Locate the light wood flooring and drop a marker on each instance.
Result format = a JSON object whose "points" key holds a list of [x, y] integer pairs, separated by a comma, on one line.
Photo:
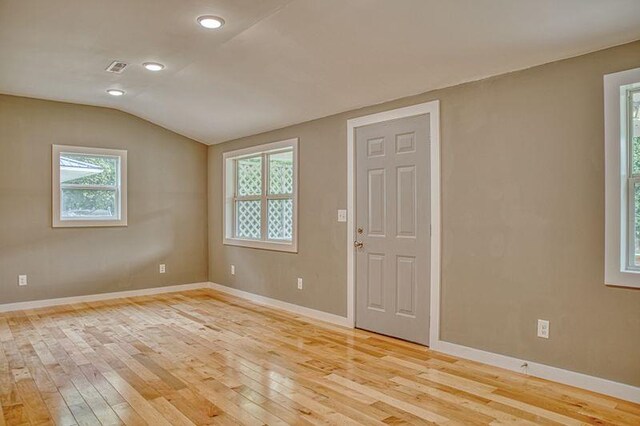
{"points": [[203, 357]]}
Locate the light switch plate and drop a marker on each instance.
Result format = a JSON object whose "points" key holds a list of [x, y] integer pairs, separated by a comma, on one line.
{"points": [[342, 215]]}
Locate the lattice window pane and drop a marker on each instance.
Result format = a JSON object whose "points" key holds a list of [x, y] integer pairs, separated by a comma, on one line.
{"points": [[281, 173], [249, 176], [280, 219], [248, 219]]}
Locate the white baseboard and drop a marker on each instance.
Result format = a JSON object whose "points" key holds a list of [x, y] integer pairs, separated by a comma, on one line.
{"points": [[20, 306], [286, 306], [571, 378]]}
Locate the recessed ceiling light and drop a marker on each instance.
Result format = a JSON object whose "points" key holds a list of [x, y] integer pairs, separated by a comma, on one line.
{"points": [[210, 21], [153, 66], [115, 92]]}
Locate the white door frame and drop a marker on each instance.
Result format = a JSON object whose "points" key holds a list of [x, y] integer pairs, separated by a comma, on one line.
{"points": [[433, 110]]}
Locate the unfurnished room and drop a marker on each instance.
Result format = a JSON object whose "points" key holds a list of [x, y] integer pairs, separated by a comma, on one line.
{"points": [[305, 212]]}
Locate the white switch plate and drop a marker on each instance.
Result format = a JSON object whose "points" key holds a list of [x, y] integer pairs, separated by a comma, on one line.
{"points": [[22, 280], [233, 269], [299, 283], [543, 329], [163, 268], [342, 215]]}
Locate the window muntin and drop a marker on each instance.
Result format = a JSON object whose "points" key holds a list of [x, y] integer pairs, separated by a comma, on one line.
{"points": [[88, 187], [261, 192]]}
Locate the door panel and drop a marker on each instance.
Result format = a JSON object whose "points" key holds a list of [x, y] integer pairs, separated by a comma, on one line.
{"points": [[406, 201], [406, 283], [375, 281], [377, 197], [392, 218]]}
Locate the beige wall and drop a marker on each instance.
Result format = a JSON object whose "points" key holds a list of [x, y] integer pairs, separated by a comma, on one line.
{"points": [[523, 219], [167, 205]]}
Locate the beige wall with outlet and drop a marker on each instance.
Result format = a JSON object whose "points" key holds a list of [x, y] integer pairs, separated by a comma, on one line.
{"points": [[167, 205], [522, 219]]}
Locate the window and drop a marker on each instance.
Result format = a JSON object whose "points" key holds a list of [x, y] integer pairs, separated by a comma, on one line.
{"points": [[89, 186], [622, 163], [261, 187]]}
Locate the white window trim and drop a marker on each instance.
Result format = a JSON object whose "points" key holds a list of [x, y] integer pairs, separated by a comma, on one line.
{"points": [[617, 216], [57, 221], [228, 183]]}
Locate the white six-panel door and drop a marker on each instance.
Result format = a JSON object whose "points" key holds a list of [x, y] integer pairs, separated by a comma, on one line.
{"points": [[392, 228]]}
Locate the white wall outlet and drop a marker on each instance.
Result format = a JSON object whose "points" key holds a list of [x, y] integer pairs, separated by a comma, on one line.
{"points": [[543, 329], [233, 269], [22, 280], [299, 283], [342, 215], [163, 268]]}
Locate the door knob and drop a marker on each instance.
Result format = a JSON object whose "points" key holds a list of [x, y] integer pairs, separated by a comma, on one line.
{"points": [[358, 244]]}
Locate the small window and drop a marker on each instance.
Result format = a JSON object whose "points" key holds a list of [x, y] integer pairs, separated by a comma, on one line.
{"points": [[622, 186], [89, 187], [260, 185]]}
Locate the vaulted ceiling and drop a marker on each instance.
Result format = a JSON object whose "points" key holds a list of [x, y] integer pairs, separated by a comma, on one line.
{"points": [[279, 62]]}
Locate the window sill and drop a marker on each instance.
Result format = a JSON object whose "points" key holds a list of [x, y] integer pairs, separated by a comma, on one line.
{"points": [[263, 245], [625, 278], [88, 223]]}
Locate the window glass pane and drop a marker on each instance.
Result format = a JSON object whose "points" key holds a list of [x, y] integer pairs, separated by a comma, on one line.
{"points": [[88, 203], [249, 180], [84, 169], [634, 128], [635, 222], [248, 219], [280, 219], [281, 173]]}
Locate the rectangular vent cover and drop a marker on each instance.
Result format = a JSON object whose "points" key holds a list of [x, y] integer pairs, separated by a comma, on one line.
{"points": [[116, 67]]}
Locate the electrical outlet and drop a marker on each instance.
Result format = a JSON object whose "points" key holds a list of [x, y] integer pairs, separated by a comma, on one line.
{"points": [[233, 269], [22, 280], [299, 283], [543, 329], [163, 268], [342, 215]]}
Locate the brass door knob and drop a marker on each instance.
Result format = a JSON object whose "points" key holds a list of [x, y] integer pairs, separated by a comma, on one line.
{"points": [[358, 244]]}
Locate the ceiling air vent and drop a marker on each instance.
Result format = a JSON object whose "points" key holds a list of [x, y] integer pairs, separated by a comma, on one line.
{"points": [[116, 67]]}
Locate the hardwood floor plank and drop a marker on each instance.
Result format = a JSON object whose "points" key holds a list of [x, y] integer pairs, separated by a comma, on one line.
{"points": [[202, 357]]}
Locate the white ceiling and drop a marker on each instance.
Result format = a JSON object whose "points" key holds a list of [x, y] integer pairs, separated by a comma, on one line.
{"points": [[279, 62]]}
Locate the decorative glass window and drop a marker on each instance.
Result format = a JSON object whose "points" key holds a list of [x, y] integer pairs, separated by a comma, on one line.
{"points": [[622, 178], [89, 186], [261, 196]]}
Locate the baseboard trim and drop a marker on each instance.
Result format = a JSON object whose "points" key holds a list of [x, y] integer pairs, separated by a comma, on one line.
{"points": [[571, 378], [286, 306], [45, 303]]}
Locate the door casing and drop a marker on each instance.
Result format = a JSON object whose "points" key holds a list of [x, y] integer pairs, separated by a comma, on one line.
{"points": [[432, 111]]}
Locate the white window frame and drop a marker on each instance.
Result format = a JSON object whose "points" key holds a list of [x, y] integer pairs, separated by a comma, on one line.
{"points": [[619, 217], [229, 189], [120, 188]]}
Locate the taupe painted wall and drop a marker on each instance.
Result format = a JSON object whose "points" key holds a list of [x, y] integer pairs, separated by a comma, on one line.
{"points": [[523, 219], [167, 205]]}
